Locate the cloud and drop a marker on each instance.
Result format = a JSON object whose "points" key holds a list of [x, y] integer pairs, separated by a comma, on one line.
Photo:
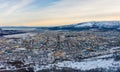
{"points": [[76, 9], [17, 6], [83, 8], [63, 12], [4, 5]]}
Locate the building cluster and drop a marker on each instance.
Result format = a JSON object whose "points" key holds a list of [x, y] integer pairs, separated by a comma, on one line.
{"points": [[55, 46]]}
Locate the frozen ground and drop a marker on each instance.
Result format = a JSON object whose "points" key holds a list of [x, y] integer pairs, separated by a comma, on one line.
{"points": [[87, 64], [23, 35], [105, 62]]}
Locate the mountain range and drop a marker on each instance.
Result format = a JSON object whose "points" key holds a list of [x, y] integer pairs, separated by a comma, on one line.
{"points": [[100, 25]]}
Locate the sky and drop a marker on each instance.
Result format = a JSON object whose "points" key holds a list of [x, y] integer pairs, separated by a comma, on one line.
{"points": [[56, 12]]}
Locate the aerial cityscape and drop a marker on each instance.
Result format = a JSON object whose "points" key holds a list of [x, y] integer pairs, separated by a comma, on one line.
{"points": [[62, 49], [59, 36]]}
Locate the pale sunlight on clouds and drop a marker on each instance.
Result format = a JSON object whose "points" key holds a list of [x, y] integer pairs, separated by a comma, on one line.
{"points": [[56, 12]]}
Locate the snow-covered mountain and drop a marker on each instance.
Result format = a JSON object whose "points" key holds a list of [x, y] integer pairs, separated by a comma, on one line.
{"points": [[101, 25]]}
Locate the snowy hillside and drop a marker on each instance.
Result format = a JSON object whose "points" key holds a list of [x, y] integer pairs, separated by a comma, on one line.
{"points": [[102, 25]]}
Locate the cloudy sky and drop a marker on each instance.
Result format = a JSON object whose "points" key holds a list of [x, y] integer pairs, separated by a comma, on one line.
{"points": [[56, 12]]}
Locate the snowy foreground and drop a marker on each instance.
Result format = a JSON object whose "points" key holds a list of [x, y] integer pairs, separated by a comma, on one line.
{"points": [[105, 62]]}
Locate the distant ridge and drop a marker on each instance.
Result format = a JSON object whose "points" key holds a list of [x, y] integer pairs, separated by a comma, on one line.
{"points": [[9, 32], [100, 25]]}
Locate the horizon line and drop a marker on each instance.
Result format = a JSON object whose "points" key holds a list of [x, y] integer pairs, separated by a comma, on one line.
{"points": [[61, 25]]}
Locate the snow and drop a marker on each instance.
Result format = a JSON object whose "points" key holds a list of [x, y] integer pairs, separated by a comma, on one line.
{"points": [[99, 57], [102, 24], [38, 67], [20, 49], [87, 64], [108, 24], [24, 35], [85, 25], [1, 66]]}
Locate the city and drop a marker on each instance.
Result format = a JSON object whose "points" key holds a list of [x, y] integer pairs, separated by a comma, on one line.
{"points": [[59, 35], [28, 50]]}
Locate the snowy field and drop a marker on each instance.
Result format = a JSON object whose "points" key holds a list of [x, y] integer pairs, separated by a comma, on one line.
{"points": [[23, 35], [87, 64], [105, 62]]}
